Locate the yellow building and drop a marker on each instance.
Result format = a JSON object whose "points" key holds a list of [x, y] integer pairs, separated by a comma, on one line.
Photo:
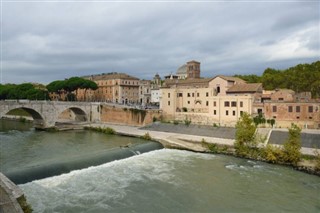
{"points": [[206, 100], [220, 100]]}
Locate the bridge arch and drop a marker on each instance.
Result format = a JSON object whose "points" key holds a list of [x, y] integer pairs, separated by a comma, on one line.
{"points": [[38, 119], [75, 114]]}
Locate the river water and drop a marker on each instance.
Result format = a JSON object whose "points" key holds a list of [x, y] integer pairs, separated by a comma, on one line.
{"points": [[162, 181]]}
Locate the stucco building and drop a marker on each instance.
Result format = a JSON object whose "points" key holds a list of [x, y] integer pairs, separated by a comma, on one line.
{"points": [[205, 100], [112, 87]]}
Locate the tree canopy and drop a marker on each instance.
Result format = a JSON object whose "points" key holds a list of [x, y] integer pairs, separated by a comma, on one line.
{"points": [[22, 91], [70, 85], [300, 78]]}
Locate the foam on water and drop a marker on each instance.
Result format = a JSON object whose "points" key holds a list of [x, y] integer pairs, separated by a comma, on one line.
{"points": [[175, 181], [98, 184]]}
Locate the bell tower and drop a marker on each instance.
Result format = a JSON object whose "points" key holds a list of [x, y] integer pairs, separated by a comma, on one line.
{"points": [[193, 69]]}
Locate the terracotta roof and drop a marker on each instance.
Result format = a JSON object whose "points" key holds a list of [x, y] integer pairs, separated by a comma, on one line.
{"points": [[285, 91], [106, 76], [242, 88], [230, 78]]}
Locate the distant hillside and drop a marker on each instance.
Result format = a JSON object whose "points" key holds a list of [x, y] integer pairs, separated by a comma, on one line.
{"points": [[300, 78]]}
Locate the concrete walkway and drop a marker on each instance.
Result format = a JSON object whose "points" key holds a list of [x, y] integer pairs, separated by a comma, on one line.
{"points": [[188, 141], [192, 142]]}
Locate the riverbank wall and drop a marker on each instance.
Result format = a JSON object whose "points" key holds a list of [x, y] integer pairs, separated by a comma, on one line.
{"points": [[9, 196]]}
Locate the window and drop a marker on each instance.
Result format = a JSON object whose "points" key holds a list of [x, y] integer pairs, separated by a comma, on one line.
{"points": [[297, 108], [179, 95], [226, 103], [207, 94], [274, 108], [289, 108], [168, 95], [214, 103], [198, 94], [188, 102], [214, 112], [280, 99], [298, 117], [188, 95], [192, 94], [310, 109], [241, 103], [234, 113], [233, 103], [227, 112], [218, 89], [168, 103], [207, 103]]}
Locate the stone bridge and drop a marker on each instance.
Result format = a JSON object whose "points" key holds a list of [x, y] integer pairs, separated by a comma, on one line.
{"points": [[46, 113]]}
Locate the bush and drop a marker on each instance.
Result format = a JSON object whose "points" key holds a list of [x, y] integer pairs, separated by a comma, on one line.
{"points": [[146, 136], [175, 122], [26, 208], [107, 130], [215, 125], [317, 166], [245, 131], [273, 154], [187, 121], [292, 146]]}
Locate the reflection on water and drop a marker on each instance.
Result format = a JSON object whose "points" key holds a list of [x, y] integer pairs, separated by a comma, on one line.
{"points": [[25, 147]]}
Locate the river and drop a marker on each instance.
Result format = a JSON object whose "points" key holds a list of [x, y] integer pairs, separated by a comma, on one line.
{"points": [[157, 181]]}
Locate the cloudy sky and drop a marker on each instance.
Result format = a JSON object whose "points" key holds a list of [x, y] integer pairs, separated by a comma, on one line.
{"points": [[44, 41]]}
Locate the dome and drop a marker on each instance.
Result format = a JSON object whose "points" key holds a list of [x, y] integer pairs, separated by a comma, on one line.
{"points": [[182, 70]]}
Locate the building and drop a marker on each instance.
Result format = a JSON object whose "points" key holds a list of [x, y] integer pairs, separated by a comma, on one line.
{"points": [[112, 87], [199, 101], [144, 92], [206, 100], [287, 107], [155, 90]]}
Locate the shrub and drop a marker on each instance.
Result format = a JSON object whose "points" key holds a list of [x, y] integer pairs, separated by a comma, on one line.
{"points": [[187, 121], [109, 131], [154, 119], [215, 125], [175, 122], [245, 131], [146, 136], [26, 207], [317, 166], [292, 146], [273, 154]]}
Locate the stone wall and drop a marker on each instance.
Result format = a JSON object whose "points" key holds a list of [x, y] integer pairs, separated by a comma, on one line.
{"points": [[128, 116]]}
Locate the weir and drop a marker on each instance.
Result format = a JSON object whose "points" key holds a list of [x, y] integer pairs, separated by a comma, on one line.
{"points": [[29, 174]]}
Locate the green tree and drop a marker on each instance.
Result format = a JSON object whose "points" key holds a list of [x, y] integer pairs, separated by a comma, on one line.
{"points": [[292, 146], [245, 143]]}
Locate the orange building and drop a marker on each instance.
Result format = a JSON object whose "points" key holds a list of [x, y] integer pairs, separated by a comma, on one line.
{"points": [[112, 87]]}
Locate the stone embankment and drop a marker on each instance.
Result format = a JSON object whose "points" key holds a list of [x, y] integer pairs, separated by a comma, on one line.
{"points": [[9, 195]]}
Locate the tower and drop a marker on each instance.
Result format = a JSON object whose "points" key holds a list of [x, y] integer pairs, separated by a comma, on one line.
{"points": [[193, 69]]}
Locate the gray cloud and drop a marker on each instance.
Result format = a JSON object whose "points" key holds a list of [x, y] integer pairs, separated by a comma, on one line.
{"points": [[55, 40]]}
